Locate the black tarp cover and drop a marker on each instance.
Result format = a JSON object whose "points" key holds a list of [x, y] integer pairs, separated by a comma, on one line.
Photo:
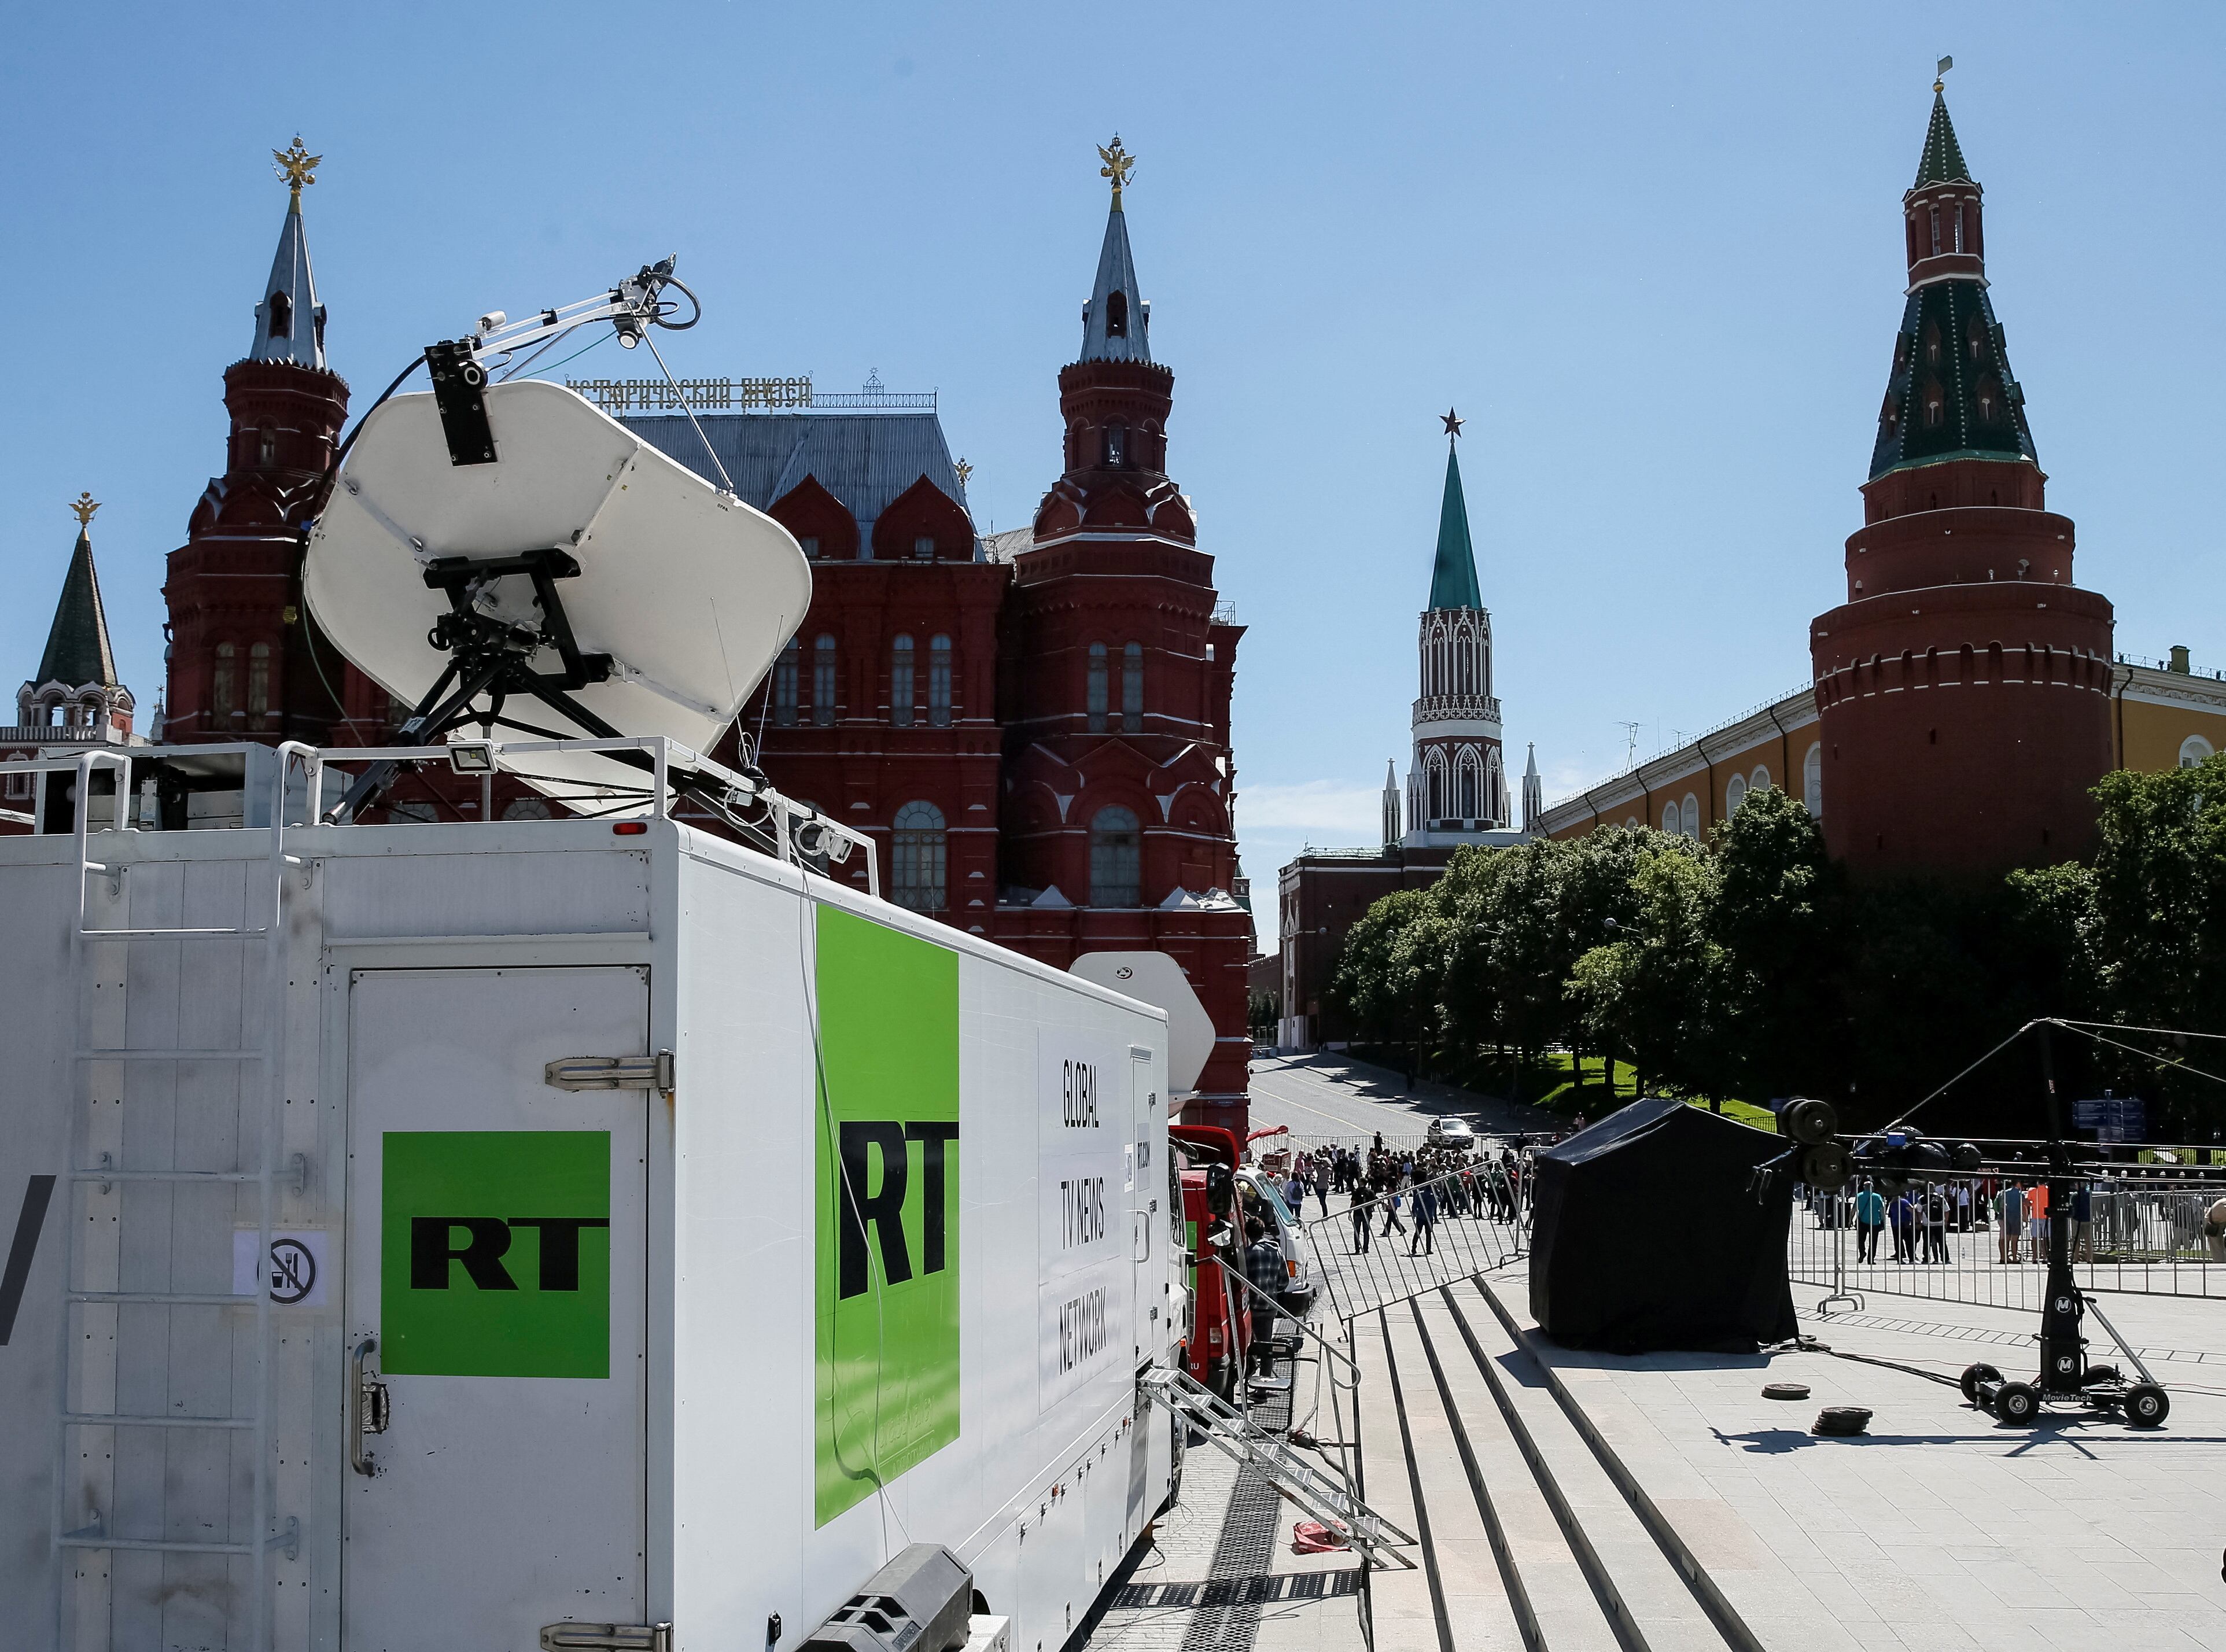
{"points": [[1645, 1235]]}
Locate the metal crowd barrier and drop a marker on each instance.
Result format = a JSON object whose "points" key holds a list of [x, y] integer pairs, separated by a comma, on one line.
{"points": [[2140, 1235], [1369, 1253]]}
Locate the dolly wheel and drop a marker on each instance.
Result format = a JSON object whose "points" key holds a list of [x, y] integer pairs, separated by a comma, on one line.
{"points": [[2146, 1405], [2017, 1403], [1974, 1375]]}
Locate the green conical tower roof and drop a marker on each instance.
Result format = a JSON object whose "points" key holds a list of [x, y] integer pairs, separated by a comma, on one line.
{"points": [[1453, 581], [77, 647], [1943, 160], [1950, 394]]}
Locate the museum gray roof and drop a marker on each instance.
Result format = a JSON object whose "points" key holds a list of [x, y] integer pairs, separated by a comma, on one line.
{"points": [[865, 459]]}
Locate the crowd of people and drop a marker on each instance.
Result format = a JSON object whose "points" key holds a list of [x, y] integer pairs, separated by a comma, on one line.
{"points": [[1410, 1190], [1921, 1216]]}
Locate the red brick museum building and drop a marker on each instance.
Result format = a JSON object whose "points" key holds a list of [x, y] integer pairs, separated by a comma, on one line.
{"points": [[1034, 730]]}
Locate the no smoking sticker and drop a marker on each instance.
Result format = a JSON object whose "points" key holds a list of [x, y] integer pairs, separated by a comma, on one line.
{"points": [[295, 1276]]}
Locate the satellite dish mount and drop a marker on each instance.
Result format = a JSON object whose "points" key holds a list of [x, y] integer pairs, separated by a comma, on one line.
{"points": [[491, 656]]}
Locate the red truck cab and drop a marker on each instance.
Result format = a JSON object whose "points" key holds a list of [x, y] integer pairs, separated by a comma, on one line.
{"points": [[1217, 1335]]}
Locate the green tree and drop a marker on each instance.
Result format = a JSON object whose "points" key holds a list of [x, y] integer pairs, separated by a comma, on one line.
{"points": [[1776, 915], [1390, 968], [1653, 992], [2160, 919]]}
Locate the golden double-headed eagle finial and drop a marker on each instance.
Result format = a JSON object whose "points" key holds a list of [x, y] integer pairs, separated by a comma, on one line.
{"points": [[1118, 162], [85, 504], [297, 166]]}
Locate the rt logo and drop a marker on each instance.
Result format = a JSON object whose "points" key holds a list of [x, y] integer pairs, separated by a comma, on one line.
{"points": [[863, 1139], [433, 1247]]}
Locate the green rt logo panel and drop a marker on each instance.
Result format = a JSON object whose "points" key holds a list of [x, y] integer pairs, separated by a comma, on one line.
{"points": [[495, 1253], [886, 1167]]}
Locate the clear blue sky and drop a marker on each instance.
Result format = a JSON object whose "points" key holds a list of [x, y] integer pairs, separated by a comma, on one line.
{"points": [[1653, 254]]}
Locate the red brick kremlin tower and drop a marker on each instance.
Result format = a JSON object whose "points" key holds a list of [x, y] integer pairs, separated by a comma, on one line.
{"points": [[1118, 830], [243, 662], [1962, 690]]}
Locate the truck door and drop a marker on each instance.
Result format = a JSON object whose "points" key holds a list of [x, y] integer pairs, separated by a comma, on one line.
{"points": [[495, 1278]]}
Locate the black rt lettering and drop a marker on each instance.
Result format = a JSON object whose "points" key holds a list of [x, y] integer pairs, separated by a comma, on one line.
{"points": [[884, 1210], [431, 1251], [560, 1247], [931, 1138]]}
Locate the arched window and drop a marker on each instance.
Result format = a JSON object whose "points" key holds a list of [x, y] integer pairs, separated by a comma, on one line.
{"points": [[282, 316], [1117, 314], [901, 652], [1990, 397], [1934, 407], [1437, 772], [1691, 827], [1812, 780], [822, 681], [1116, 859], [1097, 689], [259, 679], [810, 543], [1759, 780], [266, 452], [1670, 816], [939, 682], [224, 683], [918, 858], [1734, 793], [922, 547], [784, 684], [2193, 750], [1116, 444], [1132, 688], [1935, 229], [1468, 799]]}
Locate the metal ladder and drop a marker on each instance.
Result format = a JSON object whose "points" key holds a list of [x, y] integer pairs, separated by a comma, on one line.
{"points": [[1325, 1496], [267, 1059]]}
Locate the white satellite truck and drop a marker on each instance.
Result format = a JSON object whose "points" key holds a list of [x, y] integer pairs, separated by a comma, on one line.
{"points": [[581, 1233]]}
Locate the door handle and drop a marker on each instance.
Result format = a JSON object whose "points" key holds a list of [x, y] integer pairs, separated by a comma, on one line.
{"points": [[368, 1408]]}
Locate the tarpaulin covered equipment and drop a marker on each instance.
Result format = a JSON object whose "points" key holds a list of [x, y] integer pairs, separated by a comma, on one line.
{"points": [[1647, 1234]]}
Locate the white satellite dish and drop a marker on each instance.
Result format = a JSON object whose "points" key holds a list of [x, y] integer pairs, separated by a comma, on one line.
{"points": [[648, 600], [1155, 978]]}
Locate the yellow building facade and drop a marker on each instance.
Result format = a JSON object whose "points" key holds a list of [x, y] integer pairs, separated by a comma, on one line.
{"points": [[2163, 715]]}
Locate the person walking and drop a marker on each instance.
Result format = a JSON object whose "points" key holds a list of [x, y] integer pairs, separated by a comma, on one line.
{"points": [[2009, 1207], [1391, 1223], [1360, 1220], [1426, 1221], [2082, 1224], [1870, 1222], [1321, 1188]]}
